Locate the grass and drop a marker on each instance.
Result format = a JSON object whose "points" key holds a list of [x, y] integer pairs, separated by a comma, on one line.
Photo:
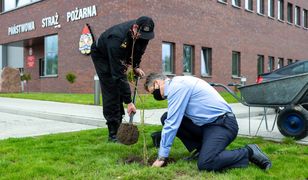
{"points": [[87, 155], [88, 99]]}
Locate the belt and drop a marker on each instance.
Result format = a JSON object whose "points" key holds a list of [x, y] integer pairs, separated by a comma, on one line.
{"points": [[228, 114]]}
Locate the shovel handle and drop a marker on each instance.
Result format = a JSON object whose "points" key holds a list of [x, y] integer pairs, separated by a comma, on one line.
{"points": [[131, 116]]}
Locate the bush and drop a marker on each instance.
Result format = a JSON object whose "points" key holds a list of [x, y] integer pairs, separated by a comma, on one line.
{"points": [[71, 77]]}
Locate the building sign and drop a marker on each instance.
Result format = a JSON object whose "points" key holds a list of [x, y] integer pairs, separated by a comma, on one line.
{"points": [[30, 61], [86, 40], [50, 21], [21, 28], [81, 13]]}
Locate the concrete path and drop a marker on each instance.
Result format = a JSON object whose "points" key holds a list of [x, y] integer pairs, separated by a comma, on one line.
{"points": [[12, 125], [21, 118]]}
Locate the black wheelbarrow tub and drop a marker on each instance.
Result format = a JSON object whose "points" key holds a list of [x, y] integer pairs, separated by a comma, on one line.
{"points": [[279, 92]]}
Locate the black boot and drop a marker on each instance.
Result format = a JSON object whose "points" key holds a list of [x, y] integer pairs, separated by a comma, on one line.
{"points": [[257, 157], [113, 128]]}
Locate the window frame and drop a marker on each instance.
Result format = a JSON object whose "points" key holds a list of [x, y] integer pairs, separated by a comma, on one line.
{"points": [[236, 3], [223, 1], [3, 10], [238, 65], [297, 15], [249, 5], [172, 59], [47, 52], [271, 64], [280, 62], [209, 61], [260, 64], [280, 10], [191, 59], [290, 13], [305, 18], [271, 9], [260, 7]]}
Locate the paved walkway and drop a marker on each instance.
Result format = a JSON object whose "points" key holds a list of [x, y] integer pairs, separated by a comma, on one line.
{"points": [[20, 117]]}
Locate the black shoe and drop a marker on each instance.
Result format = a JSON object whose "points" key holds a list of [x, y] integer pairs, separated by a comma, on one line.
{"points": [[113, 139], [258, 157], [194, 156]]}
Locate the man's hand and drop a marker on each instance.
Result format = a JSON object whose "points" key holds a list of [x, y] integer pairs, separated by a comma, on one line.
{"points": [[131, 108], [158, 163], [139, 72]]}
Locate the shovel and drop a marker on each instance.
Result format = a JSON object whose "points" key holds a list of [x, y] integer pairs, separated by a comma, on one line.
{"points": [[128, 133]]}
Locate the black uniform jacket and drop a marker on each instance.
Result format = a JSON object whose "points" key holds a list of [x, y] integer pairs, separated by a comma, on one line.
{"points": [[114, 47]]}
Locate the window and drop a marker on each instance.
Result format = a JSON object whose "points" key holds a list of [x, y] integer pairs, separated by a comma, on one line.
{"points": [[271, 64], [13, 4], [305, 18], [280, 10], [167, 57], [290, 61], [290, 13], [187, 59], [206, 61], [260, 65], [236, 3], [249, 5], [297, 15], [51, 55], [280, 63], [236, 61], [271, 8], [260, 6], [223, 1]]}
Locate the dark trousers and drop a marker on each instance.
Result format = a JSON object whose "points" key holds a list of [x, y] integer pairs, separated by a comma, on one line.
{"points": [[211, 141], [113, 109]]}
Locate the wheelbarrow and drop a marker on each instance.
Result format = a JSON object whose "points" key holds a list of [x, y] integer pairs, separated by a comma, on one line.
{"points": [[288, 96]]}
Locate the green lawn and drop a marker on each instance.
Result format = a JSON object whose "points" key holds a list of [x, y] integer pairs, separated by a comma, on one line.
{"points": [[148, 101], [87, 155]]}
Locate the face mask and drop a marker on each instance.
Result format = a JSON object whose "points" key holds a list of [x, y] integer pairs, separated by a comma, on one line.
{"points": [[157, 95]]}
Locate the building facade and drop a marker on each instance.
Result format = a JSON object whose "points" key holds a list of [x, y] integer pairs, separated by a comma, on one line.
{"points": [[217, 40]]}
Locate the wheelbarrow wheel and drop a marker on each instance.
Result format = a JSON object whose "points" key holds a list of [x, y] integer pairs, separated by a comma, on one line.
{"points": [[293, 122]]}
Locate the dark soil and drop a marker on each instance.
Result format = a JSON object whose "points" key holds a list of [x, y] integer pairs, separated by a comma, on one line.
{"points": [[128, 134], [139, 160]]}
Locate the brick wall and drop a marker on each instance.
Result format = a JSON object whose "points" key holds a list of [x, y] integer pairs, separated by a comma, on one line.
{"points": [[201, 23]]}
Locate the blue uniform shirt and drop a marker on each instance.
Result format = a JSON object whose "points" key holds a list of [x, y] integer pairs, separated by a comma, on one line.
{"points": [[191, 97]]}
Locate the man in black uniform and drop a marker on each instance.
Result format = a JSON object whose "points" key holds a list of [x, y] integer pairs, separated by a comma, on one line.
{"points": [[112, 55]]}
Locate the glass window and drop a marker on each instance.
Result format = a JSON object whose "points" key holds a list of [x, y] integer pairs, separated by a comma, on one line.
{"points": [[224, 1], [260, 6], [290, 13], [271, 64], [206, 61], [297, 16], [290, 61], [280, 9], [187, 59], [305, 18], [51, 55], [167, 57], [13, 4], [280, 63], [249, 5], [260, 66], [236, 61], [271, 8], [236, 3]]}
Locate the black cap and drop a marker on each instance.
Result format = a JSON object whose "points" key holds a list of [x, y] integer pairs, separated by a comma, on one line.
{"points": [[146, 27]]}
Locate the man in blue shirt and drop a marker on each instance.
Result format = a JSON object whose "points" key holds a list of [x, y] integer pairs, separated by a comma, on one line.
{"points": [[204, 122]]}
